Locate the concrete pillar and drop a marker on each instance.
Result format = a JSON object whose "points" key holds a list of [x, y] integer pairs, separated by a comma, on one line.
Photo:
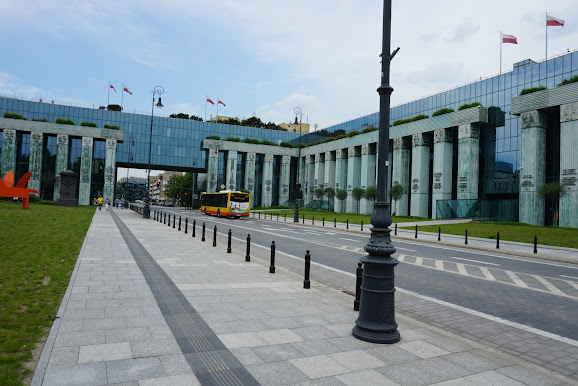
{"points": [[319, 179], [368, 163], [420, 174], [231, 170], [442, 167], [401, 172], [35, 164], [340, 177], [212, 167], [61, 162], [353, 177], [9, 152], [267, 186], [533, 167], [249, 183], [284, 179], [308, 181], [329, 169], [110, 169], [569, 164], [85, 171], [468, 161]]}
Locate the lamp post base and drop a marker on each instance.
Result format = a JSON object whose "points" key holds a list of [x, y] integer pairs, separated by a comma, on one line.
{"points": [[296, 214], [389, 337], [146, 212]]}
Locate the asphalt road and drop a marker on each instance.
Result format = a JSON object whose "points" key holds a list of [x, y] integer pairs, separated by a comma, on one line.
{"points": [[531, 292]]}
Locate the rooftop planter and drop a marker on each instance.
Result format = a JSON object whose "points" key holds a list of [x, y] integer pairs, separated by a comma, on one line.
{"points": [[544, 99]]}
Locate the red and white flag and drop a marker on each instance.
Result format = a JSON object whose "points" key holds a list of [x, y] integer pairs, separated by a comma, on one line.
{"points": [[221, 102], [210, 101], [111, 86], [509, 38], [551, 21], [126, 89]]}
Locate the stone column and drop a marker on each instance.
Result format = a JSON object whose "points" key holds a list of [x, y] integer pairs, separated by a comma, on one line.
{"points": [[368, 163], [353, 177], [319, 179], [468, 161], [85, 171], [9, 152], [35, 164], [420, 175], [284, 179], [340, 176], [212, 167], [329, 169], [307, 184], [232, 170], [61, 162], [569, 164], [249, 183], [267, 186], [110, 169], [401, 172], [442, 167], [533, 167]]}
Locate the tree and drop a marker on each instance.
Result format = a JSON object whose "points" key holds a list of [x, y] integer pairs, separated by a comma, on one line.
{"points": [[395, 193], [329, 193], [341, 195], [181, 188], [370, 193], [357, 193], [319, 192], [553, 191]]}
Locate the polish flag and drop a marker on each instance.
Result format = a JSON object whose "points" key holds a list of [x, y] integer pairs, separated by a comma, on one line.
{"points": [[221, 102], [210, 101], [554, 22], [126, 89], [508, 38], [111, 86]]}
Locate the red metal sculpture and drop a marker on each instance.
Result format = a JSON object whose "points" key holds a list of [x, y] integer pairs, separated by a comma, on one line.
{"points": [[20, 190]]}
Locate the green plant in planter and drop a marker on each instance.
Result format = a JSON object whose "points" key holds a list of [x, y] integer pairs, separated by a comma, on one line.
{"points": [[40, 119], [265, 142], [89, 124], [442, 112], [64, 121], [114, 108], [13, 116], [573, 79], [286, 144], [419, 117], [252, 141], [213, 137], [469, 105], [234, 139], [531, 90]]}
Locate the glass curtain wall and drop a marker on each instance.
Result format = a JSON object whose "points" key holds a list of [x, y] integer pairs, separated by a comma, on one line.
{"points": [[48, 167], [22, 155], [98, 164]]}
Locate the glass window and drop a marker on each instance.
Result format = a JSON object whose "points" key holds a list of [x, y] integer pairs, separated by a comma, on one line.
{"points": [[558, 66]]}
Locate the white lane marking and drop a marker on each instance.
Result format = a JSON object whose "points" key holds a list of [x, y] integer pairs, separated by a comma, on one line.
{"points": [[405, 249], [439, 264], [462, 269], [419, 260], [487, 274], [519, 282], [475, 261], [570, 277], [343, 238], [548, 285], [573, 284]]}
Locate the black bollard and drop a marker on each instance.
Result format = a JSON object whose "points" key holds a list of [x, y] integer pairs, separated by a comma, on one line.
{"points": [[271, 216], [303, 219], [535, 243], [203, 236], [395, 233], [359, 276], [439, 233], [186, 225], [498, 240], [277, 216], [313, 220], [285, 217], [165, 220], [194, 228], [466, 236], [248, 254], [179, 223], [229, 242], [272, 267], [306, 282], [259, 214], [416, 231], [323, 220], [215, 236], [362, 225], [169, 223], [347, 223], [334, 222], [174, 220]]}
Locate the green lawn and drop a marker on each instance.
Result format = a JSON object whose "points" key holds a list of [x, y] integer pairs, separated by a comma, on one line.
{"points": [[39, 248], [561, 237]]}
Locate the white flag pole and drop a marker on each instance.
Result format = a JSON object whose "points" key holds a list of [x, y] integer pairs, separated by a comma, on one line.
{"points": [[217, 117], [546, 35], [501, 41], [121, 97], [108, 97]]}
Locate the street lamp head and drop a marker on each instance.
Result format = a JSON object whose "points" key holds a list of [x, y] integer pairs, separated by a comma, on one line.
{"points": [[159, 104], [296, 122]]}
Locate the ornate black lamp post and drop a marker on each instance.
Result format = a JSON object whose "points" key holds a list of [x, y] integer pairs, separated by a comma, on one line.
{"points": [[376, 321], [298, 193], [158, 90]]}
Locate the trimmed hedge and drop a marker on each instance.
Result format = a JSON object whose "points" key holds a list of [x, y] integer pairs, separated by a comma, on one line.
{"points": [[286, 144], [469, 105], [89, 124], [252, 141], [64, 121], [531, 90], [213, 137], [265, 142], [573, 79], [442, 112], [416, 118], [368, 129], [234, 139], [113, 127], [14, 116], [40, 119]]}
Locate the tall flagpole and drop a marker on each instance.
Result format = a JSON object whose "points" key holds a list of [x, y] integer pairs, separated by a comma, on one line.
{"points": [[108, 97], [501, 40], [546, 35], [206, 97], [217, 117], [121, 97]]}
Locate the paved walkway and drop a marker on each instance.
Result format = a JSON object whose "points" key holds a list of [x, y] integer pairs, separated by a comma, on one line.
{"points": [[149, 305]]}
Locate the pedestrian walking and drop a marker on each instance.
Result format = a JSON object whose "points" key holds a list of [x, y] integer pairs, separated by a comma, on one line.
{"points": [[122, 202], [99, 202], [116, 202]]}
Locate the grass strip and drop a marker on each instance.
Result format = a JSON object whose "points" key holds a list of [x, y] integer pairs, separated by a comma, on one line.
{"points": [[510, 231], [38, 251]]}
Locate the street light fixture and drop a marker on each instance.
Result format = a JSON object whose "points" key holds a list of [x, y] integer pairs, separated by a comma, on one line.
{"points": [[376, 321], [158, 90], [298, 192]]}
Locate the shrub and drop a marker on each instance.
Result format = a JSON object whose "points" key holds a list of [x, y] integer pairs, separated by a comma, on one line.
{"points": [[213, 137], [252, 141], [469, 105], [531, 90], [115, 127], [89, 124], [353, 133], [265, 142], [234, 139], [286, 144], [114, 108], [64, 121], [419, 117], [13, 116], [401, 122], [40, 119], [369, 129], [442, 112], [106, 126], [341, 136], [573, 79]]}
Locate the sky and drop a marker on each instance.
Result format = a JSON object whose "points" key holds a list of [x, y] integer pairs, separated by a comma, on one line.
{"points": [[264, 57]]}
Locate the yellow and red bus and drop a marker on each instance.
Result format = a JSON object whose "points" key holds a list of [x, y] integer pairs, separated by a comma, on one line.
{"points": [[226, 203]]}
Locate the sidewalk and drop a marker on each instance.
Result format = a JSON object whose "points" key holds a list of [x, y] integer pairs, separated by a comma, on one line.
{"points": [[546, 252], [149, 305]]}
